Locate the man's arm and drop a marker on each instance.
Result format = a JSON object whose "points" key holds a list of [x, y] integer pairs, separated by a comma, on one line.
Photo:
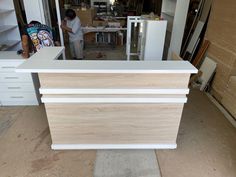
{"points": [[25, 46], [65, 27], [73, 30]]}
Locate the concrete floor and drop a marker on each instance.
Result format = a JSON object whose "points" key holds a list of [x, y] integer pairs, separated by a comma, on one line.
{"points": [[126, 163], [98, 52], [102, 52], [92, 52], [206, 145]]}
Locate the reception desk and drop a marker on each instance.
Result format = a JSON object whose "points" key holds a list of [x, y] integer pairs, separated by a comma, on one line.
{"points": [[111, 104]]}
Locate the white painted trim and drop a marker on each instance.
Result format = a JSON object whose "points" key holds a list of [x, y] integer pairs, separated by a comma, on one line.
{"points": [[114, 100], [59, 25], [113, 91], [180, 16], [222, 109], [42, 12], [34, 10], [112, 146], [195, 37], [108, 71]]}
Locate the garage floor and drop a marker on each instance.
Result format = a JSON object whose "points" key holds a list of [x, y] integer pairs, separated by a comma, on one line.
{"points": [[206, 145]]}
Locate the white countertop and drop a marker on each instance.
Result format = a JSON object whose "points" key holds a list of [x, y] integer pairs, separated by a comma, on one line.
{"points": [[45, 61], [9, 55]]}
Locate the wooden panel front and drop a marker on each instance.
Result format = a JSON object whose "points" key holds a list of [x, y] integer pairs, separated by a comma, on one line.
{"points": [[158, 81], [114, 123]]}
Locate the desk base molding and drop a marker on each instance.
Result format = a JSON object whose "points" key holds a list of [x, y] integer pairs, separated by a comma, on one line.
{"points": [[112, 91], [114, 100], [112, 146]]}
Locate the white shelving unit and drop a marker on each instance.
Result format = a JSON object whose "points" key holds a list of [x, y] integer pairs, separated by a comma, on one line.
{"points": [[101, 6], [175, 12], [151, 38], [9, 31]]}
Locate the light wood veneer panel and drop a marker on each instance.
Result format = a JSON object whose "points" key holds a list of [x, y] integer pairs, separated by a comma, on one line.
{"points": [[114, 123], [162, 81]]}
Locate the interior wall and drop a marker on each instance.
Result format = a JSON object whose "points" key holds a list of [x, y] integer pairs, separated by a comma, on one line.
{"points": [[221, 32], [34, 10]]}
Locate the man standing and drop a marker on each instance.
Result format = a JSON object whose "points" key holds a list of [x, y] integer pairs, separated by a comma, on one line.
{"points": [[72, 25]]}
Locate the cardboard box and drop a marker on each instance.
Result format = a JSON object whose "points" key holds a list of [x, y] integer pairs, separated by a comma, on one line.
{"points": [[90, 38], [106, 23], [86, 16], [99, 23], [122, 23]]}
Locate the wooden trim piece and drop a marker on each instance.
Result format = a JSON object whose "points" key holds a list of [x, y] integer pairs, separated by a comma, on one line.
{"points": [[112, 91], [197, 60], [88, 96], [176, 57], [113, 100], [112, 146]]}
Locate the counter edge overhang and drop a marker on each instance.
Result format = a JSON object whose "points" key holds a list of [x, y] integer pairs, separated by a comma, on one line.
{"points": [[45, 61]]}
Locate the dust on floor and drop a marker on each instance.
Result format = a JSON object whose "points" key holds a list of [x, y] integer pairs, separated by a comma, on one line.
{"points": [[25, 148]]}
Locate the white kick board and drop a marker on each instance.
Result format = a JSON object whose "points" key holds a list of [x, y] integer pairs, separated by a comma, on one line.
{"points": [[208, 68]]}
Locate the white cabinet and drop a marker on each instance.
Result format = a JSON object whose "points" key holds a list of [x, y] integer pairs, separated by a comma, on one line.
{"points": [[153, 44], [175, 12], [145, 38], [9, 31], [16, 88]]}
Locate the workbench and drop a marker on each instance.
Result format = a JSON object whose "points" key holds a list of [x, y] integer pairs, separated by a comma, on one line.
{"points": [[102, 30], [111, 104]]}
